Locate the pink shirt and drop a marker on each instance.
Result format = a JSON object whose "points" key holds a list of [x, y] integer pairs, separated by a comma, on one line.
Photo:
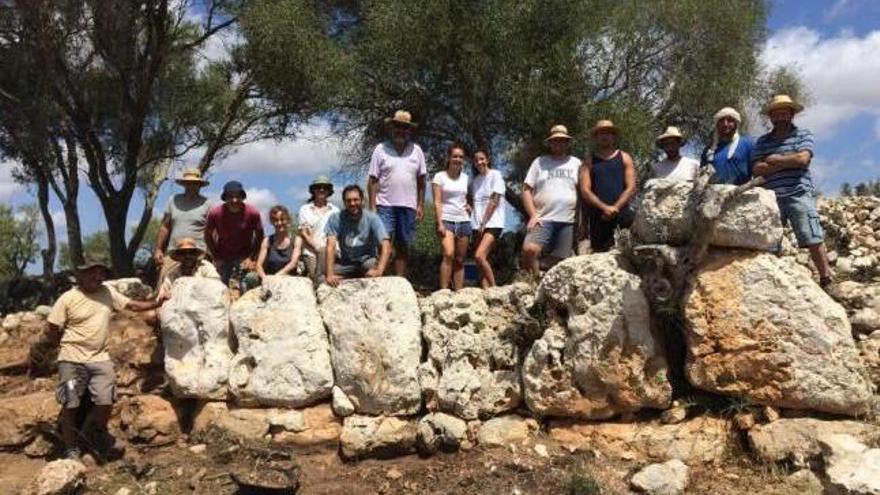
{"points": [[235, 231], [398, 174]]}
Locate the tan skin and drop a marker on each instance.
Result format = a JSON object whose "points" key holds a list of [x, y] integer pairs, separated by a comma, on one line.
{"points": [[672, 147], [726, 128], [234, 203], [454, 249], [400, 138], [354, 205], [485, 240], [281, 224], [531, 253], [605, 149], [781, 118], [190, 191], [320, 193]]}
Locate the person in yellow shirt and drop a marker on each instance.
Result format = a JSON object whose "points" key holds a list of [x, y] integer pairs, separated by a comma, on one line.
{"points": [[79, 324]]}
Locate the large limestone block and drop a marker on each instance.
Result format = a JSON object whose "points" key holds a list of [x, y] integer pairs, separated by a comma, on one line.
{"points": [[759, 328], [22, 417], [666, 215], [797, 439], [473, 338], [375, 343], [283, 356], [850, 466], [382, 437], [598, 357], [195, 331]]}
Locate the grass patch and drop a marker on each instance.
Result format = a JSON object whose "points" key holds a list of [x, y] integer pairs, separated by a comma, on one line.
{"points": [[582, 484]]}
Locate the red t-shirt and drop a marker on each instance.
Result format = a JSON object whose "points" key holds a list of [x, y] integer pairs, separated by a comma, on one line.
{"points": [[235, 231]]}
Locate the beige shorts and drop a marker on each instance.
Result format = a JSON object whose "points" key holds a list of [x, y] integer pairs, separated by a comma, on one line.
{"points": [[99, 378]]}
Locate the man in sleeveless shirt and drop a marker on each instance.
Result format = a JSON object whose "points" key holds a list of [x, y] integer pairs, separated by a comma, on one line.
{"points": [[549, 197], [607, 183]]}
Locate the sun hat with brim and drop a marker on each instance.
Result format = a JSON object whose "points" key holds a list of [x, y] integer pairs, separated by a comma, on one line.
{"points": [[321, 180], [604, 125], [670, 132], [782, 101], [185, 245], [401, 117], [233, 187], [191, 176], [91, 265], [558, 132]]}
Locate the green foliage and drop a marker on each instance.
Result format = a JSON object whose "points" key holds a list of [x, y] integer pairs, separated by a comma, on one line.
{"points": [[97, 245], [870, 188], [583, 484], [18, 239]]}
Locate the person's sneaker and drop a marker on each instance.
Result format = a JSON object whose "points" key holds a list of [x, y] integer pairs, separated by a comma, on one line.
{"points": [[827, 284], [73, 453]]}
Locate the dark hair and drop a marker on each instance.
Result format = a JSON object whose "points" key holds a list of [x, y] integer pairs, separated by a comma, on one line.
{"points": [[353, 187], [452, 147], [283, 209], [484, 152]]}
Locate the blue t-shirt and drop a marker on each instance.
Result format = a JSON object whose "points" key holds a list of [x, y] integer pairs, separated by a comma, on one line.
{"points": [[358, 239], [736, 170], [792, 181]]}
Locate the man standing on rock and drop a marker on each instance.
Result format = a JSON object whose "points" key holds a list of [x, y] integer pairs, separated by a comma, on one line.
{"points": [[675, 167], [79, 324], [607, 183], [185, 217], [233, 234], [355, 239], [397, 186], [549, 197], [782, 157], [729, 152]]}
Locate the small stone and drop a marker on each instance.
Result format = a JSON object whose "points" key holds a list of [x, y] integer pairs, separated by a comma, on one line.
{"points": [[668, 478], [771, 414], [40, 447], [151, 488], [198, 449], [59, 477], [506, 430], [393, 474], [541, 450], [744, 421], [342, 405], [674, 415], [123, 491], [179, 472]]}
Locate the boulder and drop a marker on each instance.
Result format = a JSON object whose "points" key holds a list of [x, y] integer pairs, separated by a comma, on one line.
{"points": [[598, 356], [11, 322], [131, 287], [759, 328], [320, 427], [668, 478], [850, 466], [283, 356], [61, 477], [195, 331], [797, 439], [506, 430], [375, 343], [869, 350], [473, 338], [137, 354], [441, 432], [22, 417], [306, 427], [42, 310], [149, 419], [381, 437]]}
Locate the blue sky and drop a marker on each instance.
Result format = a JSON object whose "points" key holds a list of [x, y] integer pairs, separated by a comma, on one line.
{"points": [[834, 44]]}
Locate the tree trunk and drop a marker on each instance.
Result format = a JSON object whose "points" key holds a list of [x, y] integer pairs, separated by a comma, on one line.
{"points": [[48, 254], [115, 211]]}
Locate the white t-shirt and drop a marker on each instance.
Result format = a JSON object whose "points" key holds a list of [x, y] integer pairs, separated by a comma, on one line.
{"points": [[554, 184], [398, 174], [680, 170], [482, 188], [454, 196], [315, 219]]}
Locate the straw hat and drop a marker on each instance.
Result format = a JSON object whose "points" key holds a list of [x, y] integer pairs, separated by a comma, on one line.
{"points": [[782, 101], [558, 131], [91, 264], [670, 132], [321, 180], [401, 117], [192, 175], [187, 244], [605, 125]]}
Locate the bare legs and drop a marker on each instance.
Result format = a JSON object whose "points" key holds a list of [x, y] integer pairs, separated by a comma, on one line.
{"points": [[820, 260], [454, 250], [484, 247], [531, 254]]}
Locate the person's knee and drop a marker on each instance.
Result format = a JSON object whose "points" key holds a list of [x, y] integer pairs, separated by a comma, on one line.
{"points": [[531, 250], [458, 259], [481, 257]]}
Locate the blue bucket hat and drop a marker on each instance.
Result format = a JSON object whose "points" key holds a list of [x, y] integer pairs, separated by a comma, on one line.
{"points": [[233, 187]]}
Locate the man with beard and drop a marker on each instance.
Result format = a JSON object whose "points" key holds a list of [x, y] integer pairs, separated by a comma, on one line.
{"points": [[729, 152], [357, 243]]}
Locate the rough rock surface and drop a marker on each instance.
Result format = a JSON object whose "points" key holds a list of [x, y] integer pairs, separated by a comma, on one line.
{"points": [[302, 427], [668, 478], [137, 354], [472, 338], [131, 287], [441, 432], [797, 439], [759, 328], [61, 477], [751, 221], [283, 356], [375, 343], [195, 331], [506, 430], [149, 419], [869, 350], [342, 406], [382, 436], [851, 467], [598, 357], [22, 417]]}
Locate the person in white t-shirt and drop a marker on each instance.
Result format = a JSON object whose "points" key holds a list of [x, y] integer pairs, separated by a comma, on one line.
{"points": [[549, 197], [675, 167], [487, 193], [450, 191], [312, 220]]}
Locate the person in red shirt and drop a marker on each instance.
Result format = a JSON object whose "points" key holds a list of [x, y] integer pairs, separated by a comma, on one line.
{"points": [[233, 234]]}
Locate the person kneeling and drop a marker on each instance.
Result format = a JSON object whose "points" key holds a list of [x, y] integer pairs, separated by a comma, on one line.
{"points": [[355, 238]]}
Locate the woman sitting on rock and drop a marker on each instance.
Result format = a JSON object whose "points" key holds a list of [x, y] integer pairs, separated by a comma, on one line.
{"points": [[487, 190], [280, 252], [450, 191]]}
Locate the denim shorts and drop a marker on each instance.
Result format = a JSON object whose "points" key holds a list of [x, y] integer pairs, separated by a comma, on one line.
{"points": [[399, 222], [800, 211], [459, 229], [555, 238]]}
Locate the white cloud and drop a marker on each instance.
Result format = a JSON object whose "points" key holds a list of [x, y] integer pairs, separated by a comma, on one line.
{"points": [[8, 187], [262, 199], [840, 72]]}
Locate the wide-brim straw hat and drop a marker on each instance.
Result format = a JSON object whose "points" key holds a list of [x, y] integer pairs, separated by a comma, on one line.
{"points": [[91, 265], [321, 180], [605, 125], [670, 132], [401, 117], [187, 244], [192, 176], [782, 101], [558, 131]]}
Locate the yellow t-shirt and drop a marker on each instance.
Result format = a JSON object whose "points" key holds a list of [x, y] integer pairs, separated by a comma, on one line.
{"points": [[84, 320], [204, 269]]}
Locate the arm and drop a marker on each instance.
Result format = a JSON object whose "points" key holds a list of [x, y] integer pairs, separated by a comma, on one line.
{"points": [[528, 201], [133, 305], [420, 197], [290, 267], [261, 258], [305, 231], [52, 335], [494, 201], [384, 255], [629, 183], [373, 191], [330, 262], [162, 240], [437, 194], [798, 159]]}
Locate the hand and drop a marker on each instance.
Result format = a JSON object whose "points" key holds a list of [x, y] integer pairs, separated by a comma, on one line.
{"points": [[772, 160], [420, 212], [441, 230], [533, 222], [333, 280], [609, 213], [159, 258], [762, 169], [247, 264], [162, 298], [480, 230], [373, 273]]}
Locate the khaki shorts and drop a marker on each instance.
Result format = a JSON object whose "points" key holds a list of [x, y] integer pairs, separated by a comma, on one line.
{"points": [[99, 378]]}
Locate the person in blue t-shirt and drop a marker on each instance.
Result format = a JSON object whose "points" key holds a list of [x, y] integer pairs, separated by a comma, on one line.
{"points": [[357, 243], [730, 152]]}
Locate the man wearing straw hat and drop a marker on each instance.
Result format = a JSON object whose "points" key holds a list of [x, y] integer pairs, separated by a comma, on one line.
{"points": [[729, 151], [190, 262], [549, 197], [675, 167], [782, 157], [185, 216], [607, 183], [396, 186]]}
